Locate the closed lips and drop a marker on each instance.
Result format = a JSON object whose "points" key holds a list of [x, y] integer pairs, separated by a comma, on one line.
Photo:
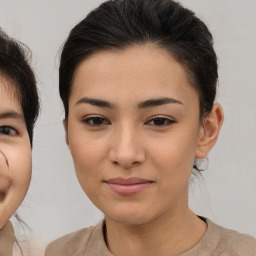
{"points": [[129, 186], [129, 181]]}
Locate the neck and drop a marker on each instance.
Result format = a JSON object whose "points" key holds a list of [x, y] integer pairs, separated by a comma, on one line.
{"points": [[165, 235]]}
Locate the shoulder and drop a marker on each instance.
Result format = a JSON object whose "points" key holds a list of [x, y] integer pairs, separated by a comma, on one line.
{"points": [[242, 244], [233, 243], [7, 239], [29, 247], [71, 244]]}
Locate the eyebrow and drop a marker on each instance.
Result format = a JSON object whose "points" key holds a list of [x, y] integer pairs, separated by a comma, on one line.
{"points": [[145, 104], [95, 102], [158, 102], [10, 114]]}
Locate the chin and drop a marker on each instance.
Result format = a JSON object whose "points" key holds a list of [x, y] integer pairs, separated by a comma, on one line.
{"points": [[129, 216], [128, 220], [4, 218], [5, 211], [9, 205]]}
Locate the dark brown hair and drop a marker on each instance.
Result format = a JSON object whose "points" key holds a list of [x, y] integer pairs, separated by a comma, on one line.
{"points": [[14, 66], [117, 24]]}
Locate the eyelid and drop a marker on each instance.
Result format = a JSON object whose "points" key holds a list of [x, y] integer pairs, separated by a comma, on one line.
{"points": [[169, 119], [86, 120], [10, 128]]}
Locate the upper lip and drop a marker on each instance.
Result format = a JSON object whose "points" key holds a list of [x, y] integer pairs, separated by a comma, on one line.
{"points": [[128, 181]]}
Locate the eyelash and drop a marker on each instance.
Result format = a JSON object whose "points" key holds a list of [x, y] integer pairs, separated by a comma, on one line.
{"points": [[88, 121], [166, 121], [8, 131]]}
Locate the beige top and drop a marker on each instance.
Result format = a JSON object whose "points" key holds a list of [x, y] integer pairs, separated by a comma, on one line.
{"points": [[217, 241], [7, 240], [10, 247]]}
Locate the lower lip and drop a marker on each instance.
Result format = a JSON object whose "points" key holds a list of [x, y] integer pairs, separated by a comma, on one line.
{"points": [[128, 189]]}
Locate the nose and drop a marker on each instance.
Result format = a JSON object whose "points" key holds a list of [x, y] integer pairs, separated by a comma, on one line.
{"points": [[127, 149]]}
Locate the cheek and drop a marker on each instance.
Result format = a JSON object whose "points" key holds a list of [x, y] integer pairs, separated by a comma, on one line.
{"points": [[88, 149], [175, 148], [84, 153], [87, 155], [18, 170], [174, 155], [85, 161], [20, 166]]}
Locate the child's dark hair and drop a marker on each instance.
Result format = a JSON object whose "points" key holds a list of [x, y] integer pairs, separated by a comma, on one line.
{"points": [[118, 24], [14, 66]]}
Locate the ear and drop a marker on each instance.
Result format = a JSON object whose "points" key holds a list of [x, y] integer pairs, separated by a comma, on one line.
{"points": [[65, 125], [209, 131]]}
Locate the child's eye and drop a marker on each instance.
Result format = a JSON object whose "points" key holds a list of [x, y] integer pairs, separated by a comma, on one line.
{"points": [[9, 131], [160, 121], [95, 121]]}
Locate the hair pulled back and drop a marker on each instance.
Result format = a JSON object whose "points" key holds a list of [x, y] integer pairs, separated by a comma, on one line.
{"points": [[14, 66], [118, 24]]}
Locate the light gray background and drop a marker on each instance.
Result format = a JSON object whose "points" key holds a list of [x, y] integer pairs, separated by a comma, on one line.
{"points": [[55, 203]]}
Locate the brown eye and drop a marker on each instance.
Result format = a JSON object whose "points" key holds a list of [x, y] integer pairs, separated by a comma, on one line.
{"points": [[8, 131], [160, 121], [95, 121]]}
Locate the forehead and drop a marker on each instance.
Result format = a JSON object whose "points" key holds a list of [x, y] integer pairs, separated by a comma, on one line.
{"points": [[9, 95], [138, 71]]}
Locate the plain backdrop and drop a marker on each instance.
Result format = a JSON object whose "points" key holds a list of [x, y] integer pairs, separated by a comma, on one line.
{"points": [[55, 204]]}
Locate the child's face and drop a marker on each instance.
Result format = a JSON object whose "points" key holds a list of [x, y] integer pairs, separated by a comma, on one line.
{"points": [[15, 153], [134, 131]]}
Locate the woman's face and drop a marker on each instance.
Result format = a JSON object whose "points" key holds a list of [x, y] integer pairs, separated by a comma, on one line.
{"points": [[15, 153], [133, 131]]}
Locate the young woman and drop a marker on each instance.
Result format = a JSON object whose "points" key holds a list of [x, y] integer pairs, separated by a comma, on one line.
{"points": [[138, 83], [18, 112]]}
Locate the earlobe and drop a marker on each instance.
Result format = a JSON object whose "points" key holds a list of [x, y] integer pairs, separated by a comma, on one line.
{"points": [[209, 131], [65, 125]]}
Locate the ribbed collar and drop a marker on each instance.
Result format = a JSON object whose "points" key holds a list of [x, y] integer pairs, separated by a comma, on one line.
{"points": [[97, 246]]}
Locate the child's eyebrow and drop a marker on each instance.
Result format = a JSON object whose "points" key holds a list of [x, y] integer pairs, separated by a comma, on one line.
{"points": [[10, 114]]}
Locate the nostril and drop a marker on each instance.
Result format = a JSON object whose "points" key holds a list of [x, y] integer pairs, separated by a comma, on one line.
{"points": [[126, 154], [126, 164]]}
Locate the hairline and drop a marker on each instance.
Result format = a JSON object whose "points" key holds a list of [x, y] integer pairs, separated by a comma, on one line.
{"points": [[151, 43]]}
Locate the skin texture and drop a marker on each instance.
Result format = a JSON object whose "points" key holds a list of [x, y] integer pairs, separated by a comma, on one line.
{"points": [[132, 138], [15, 153]]}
